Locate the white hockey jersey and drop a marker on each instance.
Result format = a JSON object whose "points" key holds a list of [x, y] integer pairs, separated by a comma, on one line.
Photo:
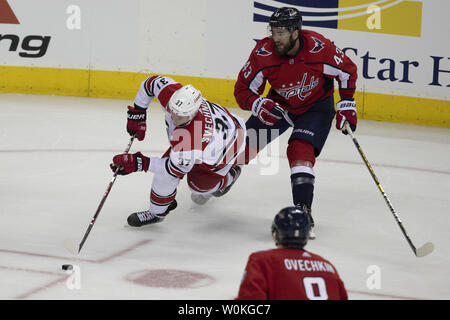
{"points": [[213, 139]]}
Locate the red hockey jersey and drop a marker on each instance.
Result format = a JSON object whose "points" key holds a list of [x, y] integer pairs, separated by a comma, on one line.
{"points": [[296, 82], [290, 274]]}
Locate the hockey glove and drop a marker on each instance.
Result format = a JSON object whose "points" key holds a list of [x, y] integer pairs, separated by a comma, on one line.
{"points": [[346, 111], [136, 122], [267, 111], [128, 163]]}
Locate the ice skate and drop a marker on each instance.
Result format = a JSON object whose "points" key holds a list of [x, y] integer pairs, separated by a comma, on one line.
{"points": [[235, 173], [139, 219], [312, 234], [201, 199]]}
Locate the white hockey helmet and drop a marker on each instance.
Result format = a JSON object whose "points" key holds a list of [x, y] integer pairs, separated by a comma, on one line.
{"points": [[186, 101]]}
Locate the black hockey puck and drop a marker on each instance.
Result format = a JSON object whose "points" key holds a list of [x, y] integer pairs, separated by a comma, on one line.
{"points": [[67, 267]]}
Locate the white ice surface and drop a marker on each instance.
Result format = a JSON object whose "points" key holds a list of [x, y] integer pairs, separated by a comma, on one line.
{"points": [[54, 169]]}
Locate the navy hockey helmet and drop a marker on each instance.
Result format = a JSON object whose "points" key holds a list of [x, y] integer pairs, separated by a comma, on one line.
{"points": [[286, 17], [290, 228]]}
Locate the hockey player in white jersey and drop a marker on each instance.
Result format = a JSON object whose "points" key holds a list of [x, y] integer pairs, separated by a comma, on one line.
{"points": [[205, 142]]}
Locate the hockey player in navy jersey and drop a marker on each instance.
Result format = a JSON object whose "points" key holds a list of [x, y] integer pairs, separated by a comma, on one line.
{"points": [[205, 140], [300, 66]]}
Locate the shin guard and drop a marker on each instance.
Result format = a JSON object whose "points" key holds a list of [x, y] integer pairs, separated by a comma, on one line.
{"points": [[302, 183]]}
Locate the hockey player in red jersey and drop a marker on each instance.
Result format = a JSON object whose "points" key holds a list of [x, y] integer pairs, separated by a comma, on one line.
{"points": [[289, 272], [205, 140], [300, 66]]}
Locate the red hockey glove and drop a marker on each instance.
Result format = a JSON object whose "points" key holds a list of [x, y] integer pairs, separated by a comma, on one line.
{"points": [[346, 111], [136, 122], [266, 111], [128, 163]]}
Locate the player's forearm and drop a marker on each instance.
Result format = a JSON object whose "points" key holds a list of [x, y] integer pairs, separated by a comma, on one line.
{"points": [[348, 90], [244, 96], [347, 93]]}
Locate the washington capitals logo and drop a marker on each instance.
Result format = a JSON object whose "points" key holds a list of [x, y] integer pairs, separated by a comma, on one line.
{"points": [[263, 52], [318, 45], [300, 89]]}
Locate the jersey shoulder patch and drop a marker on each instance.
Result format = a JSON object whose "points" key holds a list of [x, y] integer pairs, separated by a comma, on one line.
{"points": [[319, 45], [262, 51], [264, 48], [314, 42]]}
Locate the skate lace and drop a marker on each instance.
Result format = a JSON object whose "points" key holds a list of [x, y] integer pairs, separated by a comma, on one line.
{"points": [[145, 216]]}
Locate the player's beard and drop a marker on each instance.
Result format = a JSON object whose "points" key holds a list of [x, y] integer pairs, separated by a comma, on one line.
{"points": [[283, 50]]}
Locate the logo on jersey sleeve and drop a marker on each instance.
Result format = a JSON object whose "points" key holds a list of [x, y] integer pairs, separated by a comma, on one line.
{"points": [[318, 45], [263, 52], [374, 16]]}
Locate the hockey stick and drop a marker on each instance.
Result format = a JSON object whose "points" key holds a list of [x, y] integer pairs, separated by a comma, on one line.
{"points": [[422, 251], [69, 244]]}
